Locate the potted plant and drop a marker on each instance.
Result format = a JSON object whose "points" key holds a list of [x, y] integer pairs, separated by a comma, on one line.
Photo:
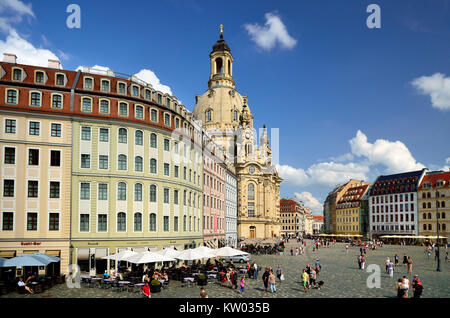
{"points": [[202, 280], [155, 286]]}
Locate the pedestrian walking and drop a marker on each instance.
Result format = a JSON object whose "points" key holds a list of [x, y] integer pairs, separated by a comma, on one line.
{"points": [[396, 259], [346, 249], [318, 267], [272, 282], [405, 287], [255, 272], [242, 284], [312, 278], [405, 259], [410, 263], [387, 262], [279, 273], [391, 269], [446, 256], [359, 260], [305, 277], [399, 288], [265, 278], [417, 287], [363, 262]]}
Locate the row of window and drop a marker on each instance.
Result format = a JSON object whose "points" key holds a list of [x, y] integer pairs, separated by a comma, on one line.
{"points": [[209, 115], [348, 228], [33, 157], [32, 189], [213, 202], [392, 198], [40, 77], [212, 182], [31, 221], [430, 227], [189, 198], [380, 218], [426, 195], [213, 223], [393, 228], [390, 208], [122, 164], [193, 224], [437, 205], [34, 128], [438, 216]]}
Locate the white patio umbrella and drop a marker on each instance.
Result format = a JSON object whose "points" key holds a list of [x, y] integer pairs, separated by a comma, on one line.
{"points": [[191, 254], [25, 260], [169, 252], [228, 251], [205, 249], [149, 257], [121, 256]]}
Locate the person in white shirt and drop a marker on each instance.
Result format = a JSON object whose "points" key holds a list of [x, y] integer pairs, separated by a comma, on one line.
{"points": [[406, 286], [21, 283]]}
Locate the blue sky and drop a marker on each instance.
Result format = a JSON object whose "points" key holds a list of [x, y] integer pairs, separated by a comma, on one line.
{"points": [[349, 101]]}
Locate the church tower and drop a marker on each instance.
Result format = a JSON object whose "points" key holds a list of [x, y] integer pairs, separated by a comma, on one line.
{"points": [[226, 117]]}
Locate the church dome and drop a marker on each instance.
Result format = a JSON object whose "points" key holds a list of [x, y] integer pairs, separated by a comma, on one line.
{"points": [[221, 45]]}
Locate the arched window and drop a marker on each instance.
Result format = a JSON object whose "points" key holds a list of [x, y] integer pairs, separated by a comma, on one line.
{"points": [[138, 163], [219, 65], [424, 227], [429, 216], [138, 222], [429, 205], [437, 204], [430, 227], [122, 135], [153, 142], [122, 163], [424, 205], [235, 115], [138, 138], [121, 191], [152, 165], [229, 67], [152, 222], [138, 192], [443, 204], [251, 191], [444, 227], [424, 195], [443, 215], [428, 195], [208, 115], [152, 193], [121, 222], [424, 216]]}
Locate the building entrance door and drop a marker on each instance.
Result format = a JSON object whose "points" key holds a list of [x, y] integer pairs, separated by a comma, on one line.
{"points": [[252, 232]]}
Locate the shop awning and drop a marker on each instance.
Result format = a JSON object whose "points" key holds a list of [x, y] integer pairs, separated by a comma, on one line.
{"points": [[100, 252], [83, 253]]}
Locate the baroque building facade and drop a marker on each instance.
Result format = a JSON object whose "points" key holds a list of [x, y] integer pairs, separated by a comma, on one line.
{"points": [[226, 117]]}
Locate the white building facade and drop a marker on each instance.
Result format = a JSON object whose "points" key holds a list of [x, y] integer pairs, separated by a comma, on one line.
{"points": [[393, 208]]}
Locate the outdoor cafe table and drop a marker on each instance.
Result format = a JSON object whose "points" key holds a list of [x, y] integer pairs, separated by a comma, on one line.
{"points": [[189, 279]]}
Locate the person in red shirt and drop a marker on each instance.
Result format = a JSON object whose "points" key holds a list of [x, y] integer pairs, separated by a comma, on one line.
{"points": [[146, 290]]}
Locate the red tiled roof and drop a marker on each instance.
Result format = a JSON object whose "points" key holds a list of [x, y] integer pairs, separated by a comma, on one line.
{"points": [[444, 176], [318, 218]]}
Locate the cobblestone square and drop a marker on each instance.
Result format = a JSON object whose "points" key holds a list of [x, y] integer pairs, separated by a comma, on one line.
{"points": [[340, 273]]}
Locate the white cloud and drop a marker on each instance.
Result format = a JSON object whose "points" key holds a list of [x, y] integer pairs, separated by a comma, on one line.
{"points": [[394, 155], [438, 87], [310, 202], [25, 51], [150, 77], [447, 160], [345, 157], [272, 32], [11, 12], [364, 159], [16, 6]]}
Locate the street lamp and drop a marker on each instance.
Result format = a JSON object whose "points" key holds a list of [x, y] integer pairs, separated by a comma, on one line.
{"points": [[437, 228]]}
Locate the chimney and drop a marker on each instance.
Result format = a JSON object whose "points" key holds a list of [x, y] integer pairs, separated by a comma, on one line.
{"points": [[9, 58], [54, 64]]}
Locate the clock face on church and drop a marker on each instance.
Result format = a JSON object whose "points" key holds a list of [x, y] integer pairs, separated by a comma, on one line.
{"points": [[247, 135], [251, 170]]}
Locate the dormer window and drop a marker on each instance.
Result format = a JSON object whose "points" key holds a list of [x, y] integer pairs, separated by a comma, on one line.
{"points": [[147, 94], [159, 99], [105, 85], [440, 183], [60, 79], [39, 77], [168, 102], [17, 74], [122, 88], [88, 83], [135, 90]]}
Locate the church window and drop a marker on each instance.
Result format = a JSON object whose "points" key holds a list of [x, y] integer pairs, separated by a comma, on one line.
{"points": [[208, 115], [251, 191], [219, 66], [235, 115]]}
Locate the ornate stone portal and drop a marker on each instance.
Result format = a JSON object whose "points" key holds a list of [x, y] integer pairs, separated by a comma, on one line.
{"points": [[227, 118]]}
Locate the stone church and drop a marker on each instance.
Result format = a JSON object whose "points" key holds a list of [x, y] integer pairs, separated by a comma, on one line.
{"points": [[225, 115]]}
